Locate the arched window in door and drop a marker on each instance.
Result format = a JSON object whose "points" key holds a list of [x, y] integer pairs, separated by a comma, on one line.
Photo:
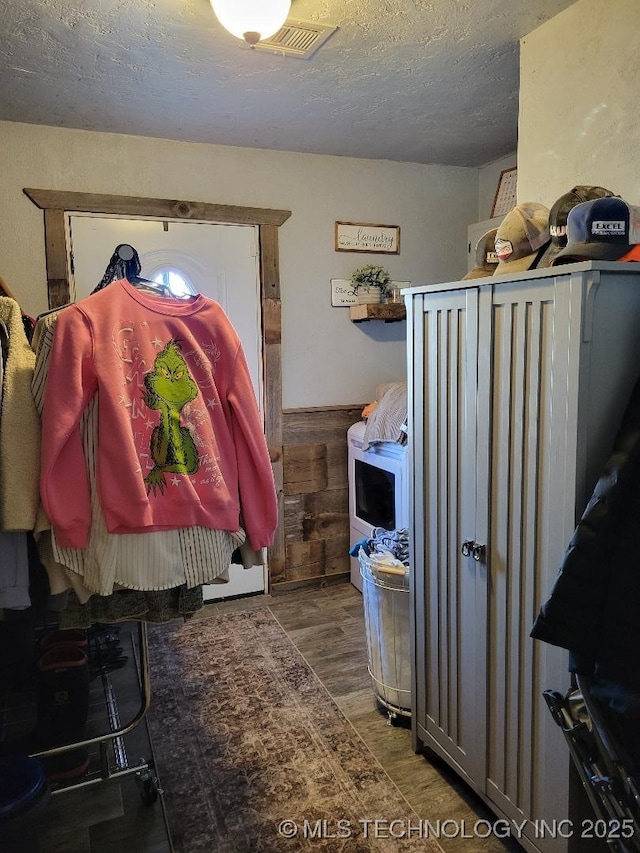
{"points": [[175, 281]]}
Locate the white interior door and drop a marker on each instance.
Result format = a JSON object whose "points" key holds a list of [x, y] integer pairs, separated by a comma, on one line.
{"points": [[219, 261]]}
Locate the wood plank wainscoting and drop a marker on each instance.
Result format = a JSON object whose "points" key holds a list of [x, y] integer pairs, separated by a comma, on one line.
{"points": [[316, 496]]}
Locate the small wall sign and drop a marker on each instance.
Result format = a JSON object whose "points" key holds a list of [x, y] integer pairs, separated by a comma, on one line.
{"points": [[342, 293], [506, 191], [365, 237]]}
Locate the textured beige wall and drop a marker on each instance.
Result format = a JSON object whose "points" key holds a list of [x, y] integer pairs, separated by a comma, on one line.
{"points": [[326, 359], [579, 111]]}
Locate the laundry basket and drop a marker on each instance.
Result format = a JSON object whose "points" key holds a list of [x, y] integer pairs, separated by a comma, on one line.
{"points": [[385, 595]]}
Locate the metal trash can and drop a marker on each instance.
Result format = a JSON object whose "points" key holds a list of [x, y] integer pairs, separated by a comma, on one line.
{"points": [[385, 595]]}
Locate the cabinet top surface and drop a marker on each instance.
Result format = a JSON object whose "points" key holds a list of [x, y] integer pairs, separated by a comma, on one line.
{"points": [[629, 268]]}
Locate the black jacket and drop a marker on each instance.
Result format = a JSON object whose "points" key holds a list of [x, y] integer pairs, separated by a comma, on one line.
{"points": [[594, 606]]}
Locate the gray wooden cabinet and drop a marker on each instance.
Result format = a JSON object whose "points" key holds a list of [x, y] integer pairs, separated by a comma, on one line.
{"points": [[517, 385]]}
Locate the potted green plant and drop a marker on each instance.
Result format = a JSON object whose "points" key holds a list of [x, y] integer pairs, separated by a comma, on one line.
{"points": [[370, 283]]}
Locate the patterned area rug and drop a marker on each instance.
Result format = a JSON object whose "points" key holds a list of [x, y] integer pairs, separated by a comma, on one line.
{"points": [[253, 754]]}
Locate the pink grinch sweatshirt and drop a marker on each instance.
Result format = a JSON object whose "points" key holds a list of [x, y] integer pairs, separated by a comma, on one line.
{"points": [[181, 441]]}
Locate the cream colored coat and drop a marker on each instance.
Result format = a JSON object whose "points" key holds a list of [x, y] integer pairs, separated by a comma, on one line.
{"points": [[19, 428]]}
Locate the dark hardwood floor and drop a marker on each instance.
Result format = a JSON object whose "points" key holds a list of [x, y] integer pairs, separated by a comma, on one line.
{"points": [[327, 626]]}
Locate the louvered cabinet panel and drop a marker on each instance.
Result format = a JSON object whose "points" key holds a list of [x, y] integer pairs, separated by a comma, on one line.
{"points": [[448, 701], [529, 341]]}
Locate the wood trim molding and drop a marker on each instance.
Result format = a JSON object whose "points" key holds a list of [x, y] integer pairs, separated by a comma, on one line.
{"points": [[57, 204], [57, 257], [161, 208]]}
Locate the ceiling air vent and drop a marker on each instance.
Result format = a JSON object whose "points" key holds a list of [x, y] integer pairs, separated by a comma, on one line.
{"points": [[297, 38]]}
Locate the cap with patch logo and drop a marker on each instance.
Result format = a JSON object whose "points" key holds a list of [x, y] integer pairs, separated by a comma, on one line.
{"points": [[603, 229], [558, 218], [486, 257], [521, 236]]}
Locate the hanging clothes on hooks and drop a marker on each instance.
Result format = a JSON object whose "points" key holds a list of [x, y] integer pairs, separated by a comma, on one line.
{"points": [[20, 428], [181, 438], [19, 453], [191, 548], [159, 560]]}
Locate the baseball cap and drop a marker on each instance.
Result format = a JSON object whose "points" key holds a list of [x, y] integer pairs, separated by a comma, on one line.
{"points": [[558, 218], [486, 258], [521, 235], [603, 229]]}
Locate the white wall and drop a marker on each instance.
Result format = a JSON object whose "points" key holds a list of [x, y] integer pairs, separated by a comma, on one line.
{"points": [[326, 358], [579, 121]]}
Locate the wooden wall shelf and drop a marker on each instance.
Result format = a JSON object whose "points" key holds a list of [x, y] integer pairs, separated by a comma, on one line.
{"points": [[390, 312]]}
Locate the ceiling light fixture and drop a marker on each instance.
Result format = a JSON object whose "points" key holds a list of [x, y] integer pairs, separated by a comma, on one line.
{"points": [[251, 20]]}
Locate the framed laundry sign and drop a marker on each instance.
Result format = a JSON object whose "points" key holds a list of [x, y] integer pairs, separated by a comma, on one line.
{"points": [[366, 237]]}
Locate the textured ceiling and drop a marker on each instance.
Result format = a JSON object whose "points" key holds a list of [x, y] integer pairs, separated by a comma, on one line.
{"points": [[407, 80]]}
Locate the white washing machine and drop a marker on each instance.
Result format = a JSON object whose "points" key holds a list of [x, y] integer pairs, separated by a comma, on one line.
{"points": [[378, 489]]}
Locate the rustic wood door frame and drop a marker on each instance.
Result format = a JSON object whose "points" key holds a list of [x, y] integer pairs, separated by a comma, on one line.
{"points": [[57, 204]]}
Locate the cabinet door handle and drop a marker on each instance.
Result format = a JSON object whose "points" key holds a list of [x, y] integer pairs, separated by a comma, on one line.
{"points": [[467, 547], [478, 551]]}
